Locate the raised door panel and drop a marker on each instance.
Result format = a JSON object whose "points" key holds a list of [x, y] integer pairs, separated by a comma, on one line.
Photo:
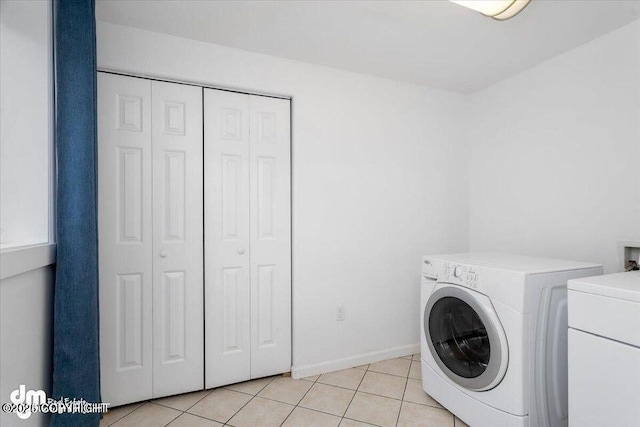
{"points": [[227, 302], [177, 238], [129, 180], [270, 201], [129, 319], [125, 238]]}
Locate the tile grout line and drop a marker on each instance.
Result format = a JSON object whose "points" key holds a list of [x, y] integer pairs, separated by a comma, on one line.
{"points": [[356, 392], [201, 417], [224, 388], [296, 405], [346, 388], [362, 422], [271, 379], [330, 385], [318, 410], [179, 415], [248, 401], [406, 384], [241, 408], [183, 410], [120, 419], [175, 418], [401, 400], [207, 394]]}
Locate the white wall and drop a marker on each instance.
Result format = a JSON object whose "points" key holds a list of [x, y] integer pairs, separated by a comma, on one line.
{"points": [[26, 114], [555, 155], [26, 118], [379, 180], [26, 334]]}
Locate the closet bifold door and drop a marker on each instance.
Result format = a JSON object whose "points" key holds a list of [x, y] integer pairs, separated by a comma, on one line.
{"points": [[247, 237], [270, 207], [227, 275], [150, 225], [178, 326], [125, 238]]}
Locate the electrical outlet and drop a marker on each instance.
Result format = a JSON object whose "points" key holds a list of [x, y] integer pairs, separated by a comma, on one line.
{"points": [[340, 313]]}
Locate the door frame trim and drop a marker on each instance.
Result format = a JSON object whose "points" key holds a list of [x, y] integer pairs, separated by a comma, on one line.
{"points": [[196, 84]]}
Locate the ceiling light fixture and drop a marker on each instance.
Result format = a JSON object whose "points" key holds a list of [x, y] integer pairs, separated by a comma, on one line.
{"points": [[500, 10]]}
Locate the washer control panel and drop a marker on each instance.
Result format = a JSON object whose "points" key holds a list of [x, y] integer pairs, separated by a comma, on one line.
{"points": [[446, 271], [461, 274]]}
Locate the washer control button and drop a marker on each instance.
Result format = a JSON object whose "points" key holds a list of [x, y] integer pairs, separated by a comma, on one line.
{"points": [[457, 272], [472, 278]]}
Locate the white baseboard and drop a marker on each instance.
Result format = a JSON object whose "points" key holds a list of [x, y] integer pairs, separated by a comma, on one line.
{"points": [[304, 371]]}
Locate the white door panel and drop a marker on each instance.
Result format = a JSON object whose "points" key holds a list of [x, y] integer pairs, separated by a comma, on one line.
{"points": [[270, 207], [125, 238], [226, 150], [177, 238]]}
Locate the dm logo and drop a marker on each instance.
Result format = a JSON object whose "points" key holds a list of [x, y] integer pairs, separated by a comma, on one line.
{"points": [[26, 400]]}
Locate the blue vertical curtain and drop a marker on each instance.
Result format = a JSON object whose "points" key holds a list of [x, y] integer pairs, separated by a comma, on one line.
{"points": [[76, 364]]}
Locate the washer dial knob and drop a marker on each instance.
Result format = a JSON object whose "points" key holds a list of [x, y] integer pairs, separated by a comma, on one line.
{"points": [[457, 272]]}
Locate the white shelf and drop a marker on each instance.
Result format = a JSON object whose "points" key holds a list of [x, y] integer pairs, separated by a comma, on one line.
{"points": [[18, 260]]}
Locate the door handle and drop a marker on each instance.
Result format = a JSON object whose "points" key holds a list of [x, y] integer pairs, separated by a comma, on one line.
{"points": [[240, 251], [163, 254]]}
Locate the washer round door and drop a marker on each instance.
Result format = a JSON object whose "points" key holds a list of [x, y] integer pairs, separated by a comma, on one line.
{"points": [[465, 337]]}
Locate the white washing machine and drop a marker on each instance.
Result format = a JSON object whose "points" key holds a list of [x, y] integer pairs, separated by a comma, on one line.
{"points": [[494, 337]]}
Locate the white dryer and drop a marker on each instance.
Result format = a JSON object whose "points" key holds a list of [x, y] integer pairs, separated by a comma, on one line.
{"points": [[494, 337], [604, 350]]}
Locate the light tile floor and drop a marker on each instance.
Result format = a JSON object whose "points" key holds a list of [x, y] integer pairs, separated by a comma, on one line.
{"points": [[383, 394]]}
